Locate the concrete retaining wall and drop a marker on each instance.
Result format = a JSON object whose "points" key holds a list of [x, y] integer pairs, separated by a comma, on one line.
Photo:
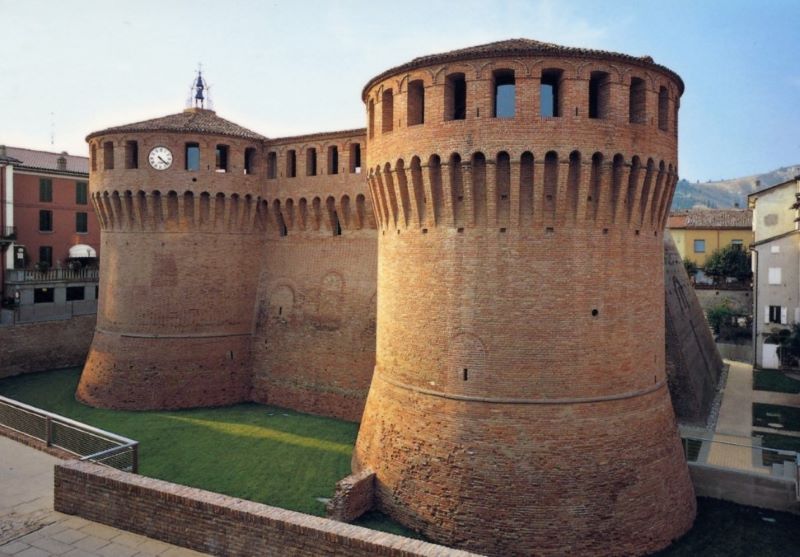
{"points": [[767, 492], [736, 352]]}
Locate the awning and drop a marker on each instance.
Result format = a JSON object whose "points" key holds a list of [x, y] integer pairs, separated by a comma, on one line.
{"points": [[80, 251]]}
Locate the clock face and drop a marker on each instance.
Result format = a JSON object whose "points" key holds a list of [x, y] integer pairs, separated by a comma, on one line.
{"points": [[160, 158]]}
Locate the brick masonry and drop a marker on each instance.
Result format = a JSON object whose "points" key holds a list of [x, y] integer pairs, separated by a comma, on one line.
{"points": [[354, 495], [520, 388], [218, 524], [30, 347], [508, 323]]}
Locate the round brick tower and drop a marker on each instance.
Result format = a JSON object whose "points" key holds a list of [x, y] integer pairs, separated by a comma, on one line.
{"points": [[178, 202], [519, 403]]}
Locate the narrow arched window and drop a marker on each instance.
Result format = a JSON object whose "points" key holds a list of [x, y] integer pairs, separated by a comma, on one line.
{"points": [[272, 165], [371, 116], [504, 93], [108, 155], [192, 156], [291, 163], [416, 103], [550, 93], [311, 161], [663, 109], [637, 109], [598, 95], [355, 158], [387, 111], [333, 159], [455, 97], [249, 160]]}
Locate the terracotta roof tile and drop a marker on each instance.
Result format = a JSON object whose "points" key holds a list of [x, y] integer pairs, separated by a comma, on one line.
{"points": [[518, 47], [711, 218], [46, 160], [189, 121]]}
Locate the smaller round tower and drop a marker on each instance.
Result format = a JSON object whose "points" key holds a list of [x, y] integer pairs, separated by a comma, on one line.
{"points": [[178, 203]]}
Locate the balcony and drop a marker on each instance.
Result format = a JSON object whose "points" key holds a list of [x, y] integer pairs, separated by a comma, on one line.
{"points": [[21, 276], [7, 235]]}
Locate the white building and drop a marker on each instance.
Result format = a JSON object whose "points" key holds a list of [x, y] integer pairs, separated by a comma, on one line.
{"points": [[776, 265]]}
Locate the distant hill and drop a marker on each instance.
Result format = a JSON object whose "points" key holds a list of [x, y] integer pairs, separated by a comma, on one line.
{"points": [[724, 194]]}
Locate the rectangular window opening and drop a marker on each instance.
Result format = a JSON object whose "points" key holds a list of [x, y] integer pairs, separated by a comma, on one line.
{"points": [[82, 223], [504, 93], [221, 158], [311, 161], [75, 293], [108, 155], [291, 163], [131, 154], [81, 193], [333, 159], [598, 95], [272, 165], [699, 246], [355, 158], [550, 94], [637, 101], [455, 100], [45, 221], [416, 103], [46, 255], [43, 295], [45, 190], [663, 109], [387, 111], [249, 160], [193, 156]]}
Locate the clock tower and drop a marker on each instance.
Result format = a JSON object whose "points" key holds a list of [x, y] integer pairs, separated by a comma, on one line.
{"points": [[179, 204]]}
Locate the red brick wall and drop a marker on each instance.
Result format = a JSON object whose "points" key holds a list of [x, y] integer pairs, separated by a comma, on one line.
{"points": [[520, 387], [217, 524], [314, 340], [178, 279], [31, 347]]}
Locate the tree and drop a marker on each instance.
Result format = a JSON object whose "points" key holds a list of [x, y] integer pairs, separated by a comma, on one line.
{"points": [[729, 262], [788, 341], [690, 266]]}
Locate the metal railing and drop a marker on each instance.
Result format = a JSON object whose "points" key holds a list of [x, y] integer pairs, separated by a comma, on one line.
{"points": [[82, 440], [51, 275], [743, 454], [8, 232]]}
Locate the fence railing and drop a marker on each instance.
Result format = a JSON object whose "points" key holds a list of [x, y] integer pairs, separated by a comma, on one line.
{"points": [[742, 453], [8, 232], [82, 440], [31, 275]]}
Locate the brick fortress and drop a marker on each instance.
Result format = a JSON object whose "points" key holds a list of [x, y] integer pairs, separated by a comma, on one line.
{"points": [[492, 277]]}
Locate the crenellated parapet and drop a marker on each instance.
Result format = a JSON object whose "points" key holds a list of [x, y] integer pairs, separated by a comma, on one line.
{"points": [[172, 212], [523, 192]]}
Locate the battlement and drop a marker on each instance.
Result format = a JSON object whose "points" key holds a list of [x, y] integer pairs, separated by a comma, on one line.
{"points": [[523, 192]]}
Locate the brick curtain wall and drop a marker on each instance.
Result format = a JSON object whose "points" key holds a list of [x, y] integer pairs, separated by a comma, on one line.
{"points": [[35, 347]]}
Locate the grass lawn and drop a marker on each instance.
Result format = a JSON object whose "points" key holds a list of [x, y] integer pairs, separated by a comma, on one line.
{"points": [[724, 529], [256, 452], [776, 416], [769, 380]]}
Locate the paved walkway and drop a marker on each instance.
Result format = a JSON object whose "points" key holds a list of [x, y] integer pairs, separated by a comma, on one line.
{"points": [[29, 527]]}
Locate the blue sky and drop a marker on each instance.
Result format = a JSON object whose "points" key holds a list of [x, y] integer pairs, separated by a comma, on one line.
{"points": [[291, 67]]}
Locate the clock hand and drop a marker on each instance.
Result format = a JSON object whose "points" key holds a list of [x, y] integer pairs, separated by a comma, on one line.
{"points": [[162, 160]]}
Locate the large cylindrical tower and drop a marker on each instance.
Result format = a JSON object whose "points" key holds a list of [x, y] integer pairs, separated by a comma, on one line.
{"points": [[519, 403], [178, 202]]}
